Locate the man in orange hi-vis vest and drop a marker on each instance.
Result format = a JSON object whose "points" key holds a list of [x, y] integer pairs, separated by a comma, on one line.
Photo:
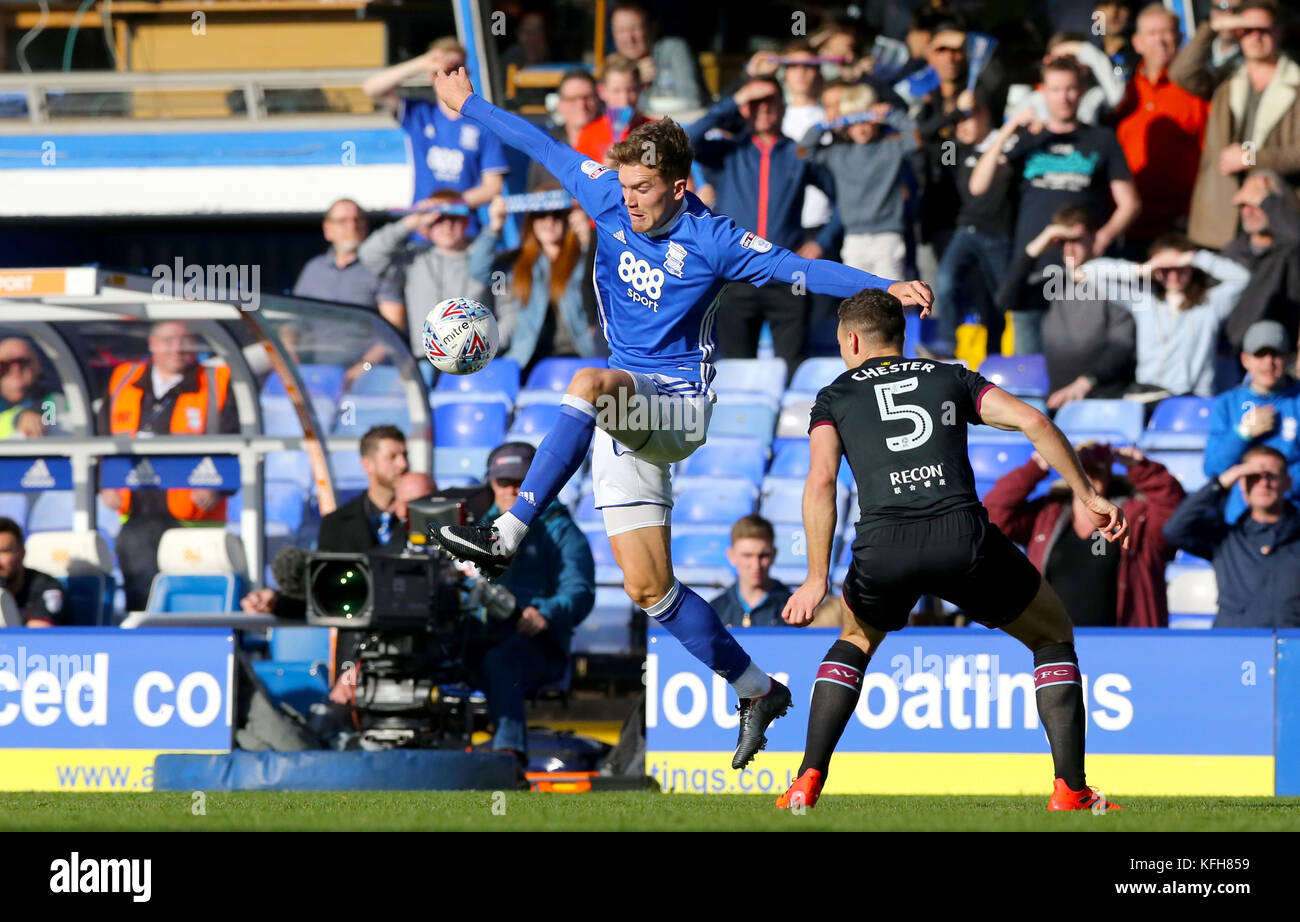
{"points": [[171, 394]]}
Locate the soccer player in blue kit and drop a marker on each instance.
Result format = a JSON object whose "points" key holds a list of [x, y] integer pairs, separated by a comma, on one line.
{"points": [[662, 261]]}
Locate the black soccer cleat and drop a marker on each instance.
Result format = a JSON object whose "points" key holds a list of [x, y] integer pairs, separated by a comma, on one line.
{"points": [[477, 544], [755, 715]]}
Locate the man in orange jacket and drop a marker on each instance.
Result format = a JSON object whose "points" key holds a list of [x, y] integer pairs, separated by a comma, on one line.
{"points": [[172, 394]]}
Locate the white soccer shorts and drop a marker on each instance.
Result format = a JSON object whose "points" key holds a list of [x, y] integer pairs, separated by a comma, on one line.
{"points": [[633, 450]]}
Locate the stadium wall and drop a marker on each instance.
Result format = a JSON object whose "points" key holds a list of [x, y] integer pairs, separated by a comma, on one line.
{"points": [[89, 709], [952, 712]]}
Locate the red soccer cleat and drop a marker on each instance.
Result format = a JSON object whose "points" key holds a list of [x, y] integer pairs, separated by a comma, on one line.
{"points": [[805, 790], [1064, 798]]}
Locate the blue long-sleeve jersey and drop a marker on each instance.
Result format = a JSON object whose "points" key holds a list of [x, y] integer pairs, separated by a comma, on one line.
{"points": [[658, 292]]}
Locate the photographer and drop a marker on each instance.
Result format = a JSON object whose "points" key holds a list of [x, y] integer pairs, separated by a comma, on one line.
{"points": [[552, 578]]}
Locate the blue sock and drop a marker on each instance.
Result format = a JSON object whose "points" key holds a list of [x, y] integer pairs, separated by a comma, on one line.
{"points": [[694, 622], [558, 458]]}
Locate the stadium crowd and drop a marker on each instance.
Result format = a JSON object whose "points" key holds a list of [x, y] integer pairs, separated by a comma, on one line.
{"points": [[1130, 214]]}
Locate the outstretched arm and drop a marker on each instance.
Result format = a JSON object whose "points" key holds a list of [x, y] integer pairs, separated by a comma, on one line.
{"points": [[1000, 409], [831, 278], [563, 162]]}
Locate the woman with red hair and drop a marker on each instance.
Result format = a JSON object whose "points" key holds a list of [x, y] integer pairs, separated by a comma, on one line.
{"points": [[538, 288]]}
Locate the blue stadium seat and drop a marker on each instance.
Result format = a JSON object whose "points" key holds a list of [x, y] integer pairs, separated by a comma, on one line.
{"points": [[978, 432], [704, 547], [1188, 467], [1193, 596], [1022, 375], [1118, 422], [175, 593], [738, 418], [465, 462], [792, 460], [795, 414], [792, 545], [813, 374], [738, 378], [781, 500], [554, 374], [361, 412], [469, 425], [721, 501], [297, 684], [15, 506], [584, 510], [347, 470], [292, 466], [1190, 560], [532, 422], [285, 505], [607, 570], [500, 376], [990, 460], [608, 629], [280, 418], [51, 511], [1178, 424], [378, 381], [727, 457], [300, 643], [320, 380]]}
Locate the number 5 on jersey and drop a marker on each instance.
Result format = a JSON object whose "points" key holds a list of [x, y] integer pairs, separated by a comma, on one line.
{"points": [[923, 425]]}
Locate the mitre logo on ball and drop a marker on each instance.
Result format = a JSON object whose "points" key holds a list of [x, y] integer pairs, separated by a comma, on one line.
{"points": [[460, 336]]}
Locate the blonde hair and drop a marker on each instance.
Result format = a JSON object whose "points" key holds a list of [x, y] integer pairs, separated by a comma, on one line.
{"points": [[857, 98]]}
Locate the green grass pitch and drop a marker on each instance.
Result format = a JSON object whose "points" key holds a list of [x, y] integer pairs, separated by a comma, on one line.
{"points": [[622, 811]]}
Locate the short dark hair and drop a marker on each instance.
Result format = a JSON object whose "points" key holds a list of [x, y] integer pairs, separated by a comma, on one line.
{"points": [[1063, 64], [753, 526], [1198, 284], [1272, 7], [1267, 451], [577, 73], [661, 145], [1074, 213], [9, 527], [376, 434], [875, 315]]}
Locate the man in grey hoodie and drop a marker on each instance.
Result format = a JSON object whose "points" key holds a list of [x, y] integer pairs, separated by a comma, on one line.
{"points": [[451, 268], [1090, 343]]}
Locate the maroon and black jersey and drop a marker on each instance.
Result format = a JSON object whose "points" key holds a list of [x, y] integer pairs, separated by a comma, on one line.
{"points": [[902, 423]]}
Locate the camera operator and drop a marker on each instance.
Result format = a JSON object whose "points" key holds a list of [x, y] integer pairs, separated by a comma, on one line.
{"points": [[552, 578]]}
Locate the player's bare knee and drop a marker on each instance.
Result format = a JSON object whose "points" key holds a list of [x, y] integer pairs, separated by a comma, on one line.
{"points": [[645, 593], [591, 383]]}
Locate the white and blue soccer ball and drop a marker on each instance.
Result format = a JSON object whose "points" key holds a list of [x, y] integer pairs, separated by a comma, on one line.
{"points": [[460, 336]]}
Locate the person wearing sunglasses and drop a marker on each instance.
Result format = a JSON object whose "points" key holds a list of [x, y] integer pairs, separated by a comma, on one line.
{"points": [[1256, 556], [1212, 54], [539, 309], [20, 412], [1254, 122]]}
